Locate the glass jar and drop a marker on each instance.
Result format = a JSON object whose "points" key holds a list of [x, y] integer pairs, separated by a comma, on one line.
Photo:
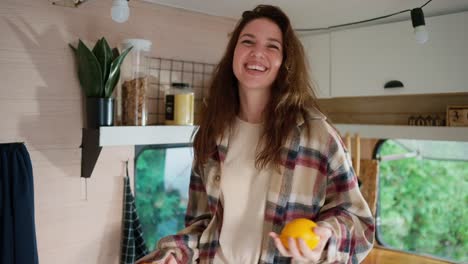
{"points": [[133, 107], [179, 105]]}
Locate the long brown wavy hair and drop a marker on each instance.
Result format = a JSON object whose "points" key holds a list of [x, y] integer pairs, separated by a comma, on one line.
{"points": [[291, 95]]}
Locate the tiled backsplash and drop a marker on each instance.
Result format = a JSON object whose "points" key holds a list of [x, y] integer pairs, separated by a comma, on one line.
{"points": [[163, 72]]}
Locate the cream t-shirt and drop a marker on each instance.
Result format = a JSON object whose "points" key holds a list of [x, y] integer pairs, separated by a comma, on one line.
{"points": [[243, 195]]}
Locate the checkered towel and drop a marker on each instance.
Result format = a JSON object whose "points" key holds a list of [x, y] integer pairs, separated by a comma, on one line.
{"points": [[133, 244]]}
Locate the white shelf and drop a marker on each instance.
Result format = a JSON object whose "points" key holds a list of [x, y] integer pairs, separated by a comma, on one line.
{"points": [[94, 139], [148, 135], [144, 135], [405, 132]]}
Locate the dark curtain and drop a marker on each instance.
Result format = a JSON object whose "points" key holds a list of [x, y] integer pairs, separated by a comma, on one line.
{"points": [[17, 225]]}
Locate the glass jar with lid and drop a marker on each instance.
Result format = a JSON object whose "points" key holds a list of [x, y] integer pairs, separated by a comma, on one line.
{"points": [[179, 105], [133, 107]]}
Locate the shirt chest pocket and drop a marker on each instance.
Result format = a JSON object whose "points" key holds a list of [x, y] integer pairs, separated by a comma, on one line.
{"points": [[212, 182], [300, 192]]}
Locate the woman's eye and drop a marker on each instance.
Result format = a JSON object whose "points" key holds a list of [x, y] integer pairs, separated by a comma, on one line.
{"points": [[247, 41], [274, 47]]}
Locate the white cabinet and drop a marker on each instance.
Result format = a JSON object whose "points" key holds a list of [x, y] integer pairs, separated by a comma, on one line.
{"points": [[317, 48], [364, 59]]}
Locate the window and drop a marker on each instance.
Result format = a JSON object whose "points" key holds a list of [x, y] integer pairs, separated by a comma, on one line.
{"points": [[162, 178], [423, 198]]}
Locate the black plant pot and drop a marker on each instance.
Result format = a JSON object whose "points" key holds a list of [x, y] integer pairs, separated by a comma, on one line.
{"points": [[99, 112]]}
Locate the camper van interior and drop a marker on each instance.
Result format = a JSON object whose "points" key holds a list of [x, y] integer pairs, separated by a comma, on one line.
{"points": [[76, 174]]}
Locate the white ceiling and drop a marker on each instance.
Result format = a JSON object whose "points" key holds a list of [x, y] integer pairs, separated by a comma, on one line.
{"points": [[321, 13]]}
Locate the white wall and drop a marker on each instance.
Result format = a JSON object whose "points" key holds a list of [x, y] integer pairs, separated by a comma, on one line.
{"points": [[41, 105]]}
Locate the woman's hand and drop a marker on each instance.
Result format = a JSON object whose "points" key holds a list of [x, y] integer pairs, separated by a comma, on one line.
{"points": [[171, 260], [299, 250]]}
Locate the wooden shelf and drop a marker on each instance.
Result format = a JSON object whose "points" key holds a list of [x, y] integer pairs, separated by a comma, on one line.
{"points": [[405, 132]]}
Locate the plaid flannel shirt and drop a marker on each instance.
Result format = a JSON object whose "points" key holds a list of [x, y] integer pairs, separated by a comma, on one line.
{"points": [[316, 181]]}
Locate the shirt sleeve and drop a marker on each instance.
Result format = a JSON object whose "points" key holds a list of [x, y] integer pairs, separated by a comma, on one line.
{"points": [[345, 211], [184, 245]]}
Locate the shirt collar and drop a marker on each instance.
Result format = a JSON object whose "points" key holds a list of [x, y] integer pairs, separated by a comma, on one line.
{"points": [[311, 114]]}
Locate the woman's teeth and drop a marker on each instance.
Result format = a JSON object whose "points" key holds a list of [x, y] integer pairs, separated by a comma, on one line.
{"points": [[256, 68]]}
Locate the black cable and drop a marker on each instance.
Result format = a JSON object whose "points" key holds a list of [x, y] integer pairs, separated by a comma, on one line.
{"points": [[354, 23], [358, 22], [426, 3]]}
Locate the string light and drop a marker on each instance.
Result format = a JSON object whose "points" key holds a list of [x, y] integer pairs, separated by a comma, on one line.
{"points": [[120, 11], [417, 18], [419, 25]]}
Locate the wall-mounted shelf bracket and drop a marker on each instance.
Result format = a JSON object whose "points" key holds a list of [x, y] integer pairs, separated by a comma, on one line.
{"points": [[90, 150]]}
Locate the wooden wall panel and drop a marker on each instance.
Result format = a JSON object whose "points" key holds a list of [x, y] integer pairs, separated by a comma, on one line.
{"points": [[380, 255], [41, 105], [389, 110]]}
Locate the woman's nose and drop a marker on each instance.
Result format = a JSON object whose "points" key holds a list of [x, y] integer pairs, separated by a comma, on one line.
{"points": [[257, 52]]}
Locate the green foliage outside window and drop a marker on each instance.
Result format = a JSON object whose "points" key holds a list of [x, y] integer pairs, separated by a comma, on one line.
{"points": [[423, 204], [161, 210]]}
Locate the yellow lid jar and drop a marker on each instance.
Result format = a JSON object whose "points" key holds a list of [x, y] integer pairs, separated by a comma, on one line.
{"points": [[179, 105]]}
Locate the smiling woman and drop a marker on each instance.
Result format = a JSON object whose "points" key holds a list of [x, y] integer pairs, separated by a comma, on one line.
{"points": [[257, 59], [259, 51], [264, 155]]}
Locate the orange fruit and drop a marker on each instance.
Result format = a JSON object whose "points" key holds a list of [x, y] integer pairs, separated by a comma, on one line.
{"points": [[300, 228]]}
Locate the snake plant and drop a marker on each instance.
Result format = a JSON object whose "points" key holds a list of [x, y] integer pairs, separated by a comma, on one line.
{"points": [[99, 69]]}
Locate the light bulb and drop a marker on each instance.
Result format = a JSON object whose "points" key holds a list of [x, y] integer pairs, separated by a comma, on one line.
{"points": [[420, 34], [417, 19], [120, 11]]}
